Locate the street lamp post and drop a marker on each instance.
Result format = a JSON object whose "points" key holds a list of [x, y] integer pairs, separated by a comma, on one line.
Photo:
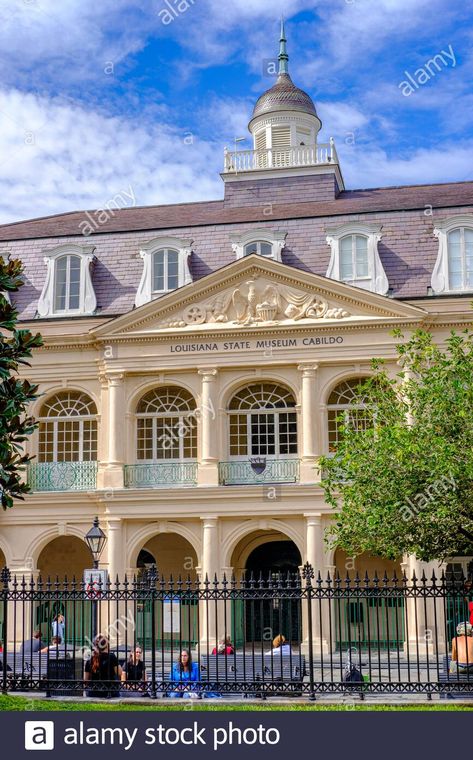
{"points": [[96, 540]]}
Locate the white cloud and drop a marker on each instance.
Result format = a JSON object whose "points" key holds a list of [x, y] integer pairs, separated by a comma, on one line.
{"points": [[366, 165], [56, 156]]}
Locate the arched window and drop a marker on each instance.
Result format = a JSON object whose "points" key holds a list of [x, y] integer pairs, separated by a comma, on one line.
{"points": [[354, 258], [68, 288], [344, 408], [68, 428], [166, 425], [460, 259], [263, 422], [260, 247], [67, 284], [165, 270]]}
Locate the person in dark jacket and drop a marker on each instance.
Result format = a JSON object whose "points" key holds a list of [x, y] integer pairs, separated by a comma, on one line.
{"points": [[102, 669]]}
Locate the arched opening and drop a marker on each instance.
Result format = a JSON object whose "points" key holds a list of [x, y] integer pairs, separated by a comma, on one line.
{"points": [[65, 556], [344, 409], [176, 615], [3, 561], [372, 619], [269, 555], [166, 439], [262, 435], [67, 452]]}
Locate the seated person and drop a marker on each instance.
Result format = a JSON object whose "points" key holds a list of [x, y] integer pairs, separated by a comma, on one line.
{"points": [[224, 646], [183, 676], [134, 672], [280, 646], [57, 648], [102, 669], [33, 645], [462, 648]]}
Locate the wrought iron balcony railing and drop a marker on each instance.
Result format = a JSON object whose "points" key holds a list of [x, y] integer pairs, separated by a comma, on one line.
{"points": [[244, 473], [62, 476], [161, 475], [275, 158]]}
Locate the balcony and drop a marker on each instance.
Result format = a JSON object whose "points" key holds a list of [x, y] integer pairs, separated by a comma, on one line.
{"points": [[274, 158], [162, 475], [238, 473], [62, 476]]}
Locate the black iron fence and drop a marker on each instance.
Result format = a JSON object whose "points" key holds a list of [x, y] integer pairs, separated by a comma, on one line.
{"points": [[299, 635]]}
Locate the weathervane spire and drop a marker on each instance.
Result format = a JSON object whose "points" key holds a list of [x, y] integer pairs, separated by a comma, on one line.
{"points": [[283, 56]]}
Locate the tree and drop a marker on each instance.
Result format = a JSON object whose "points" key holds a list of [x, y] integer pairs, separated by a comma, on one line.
{"points": [[404, 485], [15, 425]]}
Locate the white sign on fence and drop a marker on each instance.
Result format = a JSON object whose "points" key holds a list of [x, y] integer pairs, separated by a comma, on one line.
{"points": [[93, 578], [171, 616]]}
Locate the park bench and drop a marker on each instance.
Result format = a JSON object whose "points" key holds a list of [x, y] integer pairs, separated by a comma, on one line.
{"points": [[280, 675]]}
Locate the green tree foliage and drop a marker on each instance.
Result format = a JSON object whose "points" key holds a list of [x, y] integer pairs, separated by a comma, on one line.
{"points": [[15, 425], [404, 485]]}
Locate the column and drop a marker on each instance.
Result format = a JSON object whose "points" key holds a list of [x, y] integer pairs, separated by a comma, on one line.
{"points": [[116, 431], [309, 450], [115, 550], [119, 616], [315, 556], [211, 613], [208, 465], [425, 615]]}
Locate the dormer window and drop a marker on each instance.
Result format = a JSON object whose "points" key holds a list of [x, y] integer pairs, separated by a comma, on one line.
{"points": [[264, 242], [453, 270], [165, 268], [355, 257], [165, 271], [67, 283], [68, 289], [259, 247]]}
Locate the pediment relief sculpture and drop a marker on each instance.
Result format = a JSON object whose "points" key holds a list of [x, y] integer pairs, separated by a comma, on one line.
{"points": [[256, 302]]}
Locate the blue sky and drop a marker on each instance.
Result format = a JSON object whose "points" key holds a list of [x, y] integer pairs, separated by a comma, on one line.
{"points": [[100, 97]]}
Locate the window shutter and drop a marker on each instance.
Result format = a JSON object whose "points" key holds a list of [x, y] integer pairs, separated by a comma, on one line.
{"points": [[261, 140], [281, 137]]}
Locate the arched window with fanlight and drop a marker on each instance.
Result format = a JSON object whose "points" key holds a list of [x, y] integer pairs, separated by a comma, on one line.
{"points": [[68, 428], [344, 408], [166, 425], [260, 247], [262, 422]]}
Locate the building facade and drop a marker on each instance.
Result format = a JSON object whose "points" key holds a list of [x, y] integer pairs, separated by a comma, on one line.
{"points": [[197, 357]]}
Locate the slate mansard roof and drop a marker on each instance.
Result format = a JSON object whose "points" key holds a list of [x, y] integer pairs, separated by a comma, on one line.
{"points": [[408, 248]]}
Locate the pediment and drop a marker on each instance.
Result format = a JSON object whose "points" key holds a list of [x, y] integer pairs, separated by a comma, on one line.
{"points": [[254, 293]]}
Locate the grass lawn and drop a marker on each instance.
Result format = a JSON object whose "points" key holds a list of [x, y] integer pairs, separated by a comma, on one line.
{"points": [[22, 704]]}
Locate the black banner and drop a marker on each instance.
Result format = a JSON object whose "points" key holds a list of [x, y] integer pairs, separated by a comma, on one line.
{"points": [[274, 735]]}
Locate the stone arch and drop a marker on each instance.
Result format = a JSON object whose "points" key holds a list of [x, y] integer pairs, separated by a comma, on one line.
{"points": [[250, 527], [36, 407], [341, 377], [5, 554], [65, 555], [137, 394], [142, 538], [43, 539], [231, 388]]}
